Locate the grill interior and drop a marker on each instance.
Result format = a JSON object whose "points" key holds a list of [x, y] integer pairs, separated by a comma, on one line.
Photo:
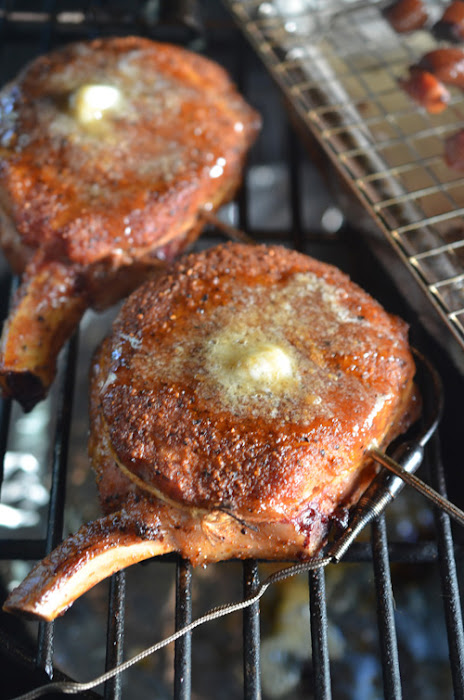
{"points": [[388, 618]]}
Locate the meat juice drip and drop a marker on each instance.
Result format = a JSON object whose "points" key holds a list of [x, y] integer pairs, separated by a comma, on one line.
{"points": [[306, 521]]}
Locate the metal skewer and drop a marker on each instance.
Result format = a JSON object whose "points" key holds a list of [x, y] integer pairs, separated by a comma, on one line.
{"points": [[418, 484], [235, 234], [408, 456]]}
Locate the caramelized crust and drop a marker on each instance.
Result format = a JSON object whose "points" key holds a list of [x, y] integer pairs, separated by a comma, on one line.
{"points": [[101, 196], [406, 15], [146, 529], [425, 89], [446, 64], [137, 173], [231, 409], [183, 418]]}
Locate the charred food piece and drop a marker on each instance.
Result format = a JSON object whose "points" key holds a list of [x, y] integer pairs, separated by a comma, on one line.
{"points": [[406, 15], [446, 64], [231, 410], [426, 90], [451, 25], [110, 149]]}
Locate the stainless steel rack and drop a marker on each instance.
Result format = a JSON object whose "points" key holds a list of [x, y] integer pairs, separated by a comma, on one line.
{"points": [[341, 76]]}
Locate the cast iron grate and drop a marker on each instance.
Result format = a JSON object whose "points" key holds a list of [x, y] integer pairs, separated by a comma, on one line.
{"points": [[437, 550]]}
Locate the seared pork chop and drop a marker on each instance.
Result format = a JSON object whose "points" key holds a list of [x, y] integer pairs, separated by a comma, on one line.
{"points": [[231, 410], [109, 152]]}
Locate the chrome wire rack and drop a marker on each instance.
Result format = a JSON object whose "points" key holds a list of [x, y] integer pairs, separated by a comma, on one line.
{"points": [[341, 75]]}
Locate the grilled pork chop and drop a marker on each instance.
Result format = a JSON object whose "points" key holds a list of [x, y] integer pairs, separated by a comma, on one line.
{"points": [[109, 152], [231, 410]]}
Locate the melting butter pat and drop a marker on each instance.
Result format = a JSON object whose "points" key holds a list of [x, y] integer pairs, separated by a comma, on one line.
{"points": [[267, 364], [244, 366], [90, 102]]}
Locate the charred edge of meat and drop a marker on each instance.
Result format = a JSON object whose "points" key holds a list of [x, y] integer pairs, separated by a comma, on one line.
{"points": [[448, 31], [26, 387], [451, 25]]}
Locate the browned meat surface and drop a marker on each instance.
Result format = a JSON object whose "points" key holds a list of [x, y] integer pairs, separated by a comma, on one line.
{"points": [[425, 89], [446, 64], [231, 411], [451, 25], [109, 152], [406, 15]]}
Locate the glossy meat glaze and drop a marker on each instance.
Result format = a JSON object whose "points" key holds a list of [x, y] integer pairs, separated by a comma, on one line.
{"points": [[109, 151], [184, 414], [231, 409]]}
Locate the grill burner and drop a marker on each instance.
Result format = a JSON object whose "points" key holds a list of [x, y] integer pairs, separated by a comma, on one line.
{"points": [[421, 554]]}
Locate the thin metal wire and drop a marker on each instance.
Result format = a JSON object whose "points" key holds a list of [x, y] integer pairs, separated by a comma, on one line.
{"points": [[72, 688], [423, 488]]}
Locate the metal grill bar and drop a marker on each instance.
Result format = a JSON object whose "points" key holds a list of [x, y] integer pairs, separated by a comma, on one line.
{"points": [[5, 411], [449, 580], [386, 622], [115, 634], [5, 408], [251, 634], [183, 648], [58, 487], [320, 646], [250, 576]]}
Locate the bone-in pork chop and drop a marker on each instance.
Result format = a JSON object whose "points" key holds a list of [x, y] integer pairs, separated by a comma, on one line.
{"points": [[109, 152], [231, 410]]}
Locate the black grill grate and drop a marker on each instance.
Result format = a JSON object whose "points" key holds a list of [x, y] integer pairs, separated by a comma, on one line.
{"points": [[28, 661]]}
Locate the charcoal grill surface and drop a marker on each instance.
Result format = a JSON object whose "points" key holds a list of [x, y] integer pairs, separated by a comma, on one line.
{"points": [[387, 618]]}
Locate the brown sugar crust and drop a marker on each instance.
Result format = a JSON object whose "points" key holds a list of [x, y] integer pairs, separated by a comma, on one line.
{"points": [[199, 434]]}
